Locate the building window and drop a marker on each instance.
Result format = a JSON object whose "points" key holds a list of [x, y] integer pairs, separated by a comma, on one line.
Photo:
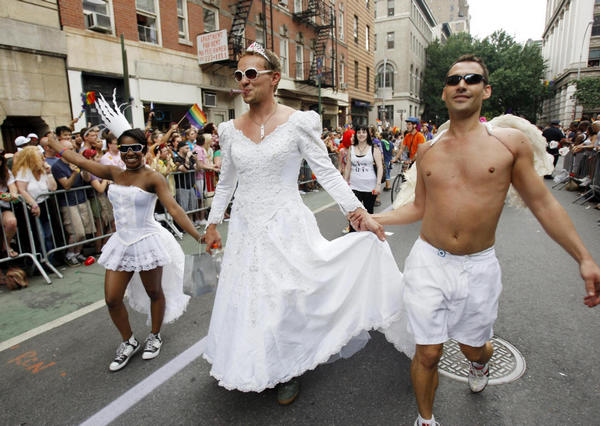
{"points": [[594, 58], [390, 7], [417, 81], [260, 36], [367, 36], [97, 15], [341, 30], [356, 74], [386, 113], [385, 76], [283, 56], [297, 6], [355, 31], [390, 40], [342, 72], [367, 3], [147, 20], [368, 79], [596, 25], [210, 19], [182, 19], [412, 87], [299, 62], [375, 42]]}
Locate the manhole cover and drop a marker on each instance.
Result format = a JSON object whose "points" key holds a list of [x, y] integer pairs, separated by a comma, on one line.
{"points": [[507, 363]]}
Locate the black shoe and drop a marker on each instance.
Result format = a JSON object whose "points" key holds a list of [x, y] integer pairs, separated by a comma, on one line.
{"points": [[288, 392]]}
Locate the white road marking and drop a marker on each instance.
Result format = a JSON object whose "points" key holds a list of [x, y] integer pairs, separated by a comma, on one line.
{"points": [[146, 386], [50, 325]]}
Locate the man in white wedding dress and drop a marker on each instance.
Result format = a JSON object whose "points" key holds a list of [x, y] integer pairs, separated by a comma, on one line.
{"points": [[452, 277], [287, 298]]}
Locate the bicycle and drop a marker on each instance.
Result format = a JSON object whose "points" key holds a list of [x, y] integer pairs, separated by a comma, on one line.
{"points": [[398, 180]]}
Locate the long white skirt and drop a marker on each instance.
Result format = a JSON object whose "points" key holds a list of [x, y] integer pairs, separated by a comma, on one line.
{"points": [[288, 299]]}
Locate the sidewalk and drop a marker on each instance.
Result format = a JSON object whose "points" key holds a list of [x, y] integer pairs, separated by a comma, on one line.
{"points": [[82, 287]]}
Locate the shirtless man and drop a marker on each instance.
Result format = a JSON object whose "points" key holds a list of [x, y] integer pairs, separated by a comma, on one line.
{"points": [[452, 276]]}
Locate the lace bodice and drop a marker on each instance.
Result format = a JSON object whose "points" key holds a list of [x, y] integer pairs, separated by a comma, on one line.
{"points": [[134, 212], [267, 173]]}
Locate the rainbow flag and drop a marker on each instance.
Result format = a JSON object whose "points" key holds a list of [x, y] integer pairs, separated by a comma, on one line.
{"points": [[90, 98], [196, 117]]}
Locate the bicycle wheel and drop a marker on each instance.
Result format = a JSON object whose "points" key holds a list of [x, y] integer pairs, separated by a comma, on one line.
{"points": [[396, 186]]}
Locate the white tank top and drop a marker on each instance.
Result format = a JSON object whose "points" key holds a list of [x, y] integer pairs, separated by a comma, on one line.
{"points": [[362, 175]]}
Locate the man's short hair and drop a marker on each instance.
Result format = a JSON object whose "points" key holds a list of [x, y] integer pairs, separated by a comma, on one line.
{"points": [[181, 144], [472, 58], [61, 129]]}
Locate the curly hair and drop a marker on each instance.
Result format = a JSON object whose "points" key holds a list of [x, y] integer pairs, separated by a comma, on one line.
{"points": [[29, 158]]}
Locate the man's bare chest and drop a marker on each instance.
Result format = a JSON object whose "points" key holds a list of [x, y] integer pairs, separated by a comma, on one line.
{"points": [[467, 168]]}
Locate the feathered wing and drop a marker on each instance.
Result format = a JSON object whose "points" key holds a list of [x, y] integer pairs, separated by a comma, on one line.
{"points": [[542, 161], [114, 119]]}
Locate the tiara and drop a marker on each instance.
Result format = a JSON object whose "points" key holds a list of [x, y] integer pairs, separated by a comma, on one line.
{"points": [[256, 47], [114, 119]]}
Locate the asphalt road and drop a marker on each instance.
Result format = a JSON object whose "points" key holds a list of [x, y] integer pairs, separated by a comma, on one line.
{"points": [[61, 376]]}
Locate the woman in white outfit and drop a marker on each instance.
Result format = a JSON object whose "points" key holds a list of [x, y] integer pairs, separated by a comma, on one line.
{"points": [[287, 298], [141, 257], [364, 169]]}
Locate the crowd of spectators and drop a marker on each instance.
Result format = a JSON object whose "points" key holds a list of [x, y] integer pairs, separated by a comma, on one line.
{"points": [[49, 186]]}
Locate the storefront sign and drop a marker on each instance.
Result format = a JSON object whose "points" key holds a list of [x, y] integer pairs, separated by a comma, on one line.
{"points": [[212, 47]]}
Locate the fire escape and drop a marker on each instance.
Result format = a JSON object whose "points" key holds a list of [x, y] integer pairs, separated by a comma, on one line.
{"points": [[235, 39], [319, 15]]}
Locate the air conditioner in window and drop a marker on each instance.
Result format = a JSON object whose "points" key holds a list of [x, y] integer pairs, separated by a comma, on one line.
{"points": [[343, 86], [210, 99], [98, 22]]}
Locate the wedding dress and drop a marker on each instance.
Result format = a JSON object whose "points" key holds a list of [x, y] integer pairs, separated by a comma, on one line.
{"points": [[141, 244], [288, 299]]}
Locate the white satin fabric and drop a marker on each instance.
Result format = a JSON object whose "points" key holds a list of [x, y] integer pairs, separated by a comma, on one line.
{"points": [[287, 298], [141, 244]]}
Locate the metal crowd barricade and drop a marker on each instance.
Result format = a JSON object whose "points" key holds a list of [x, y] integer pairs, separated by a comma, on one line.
{"points": [[51, 232], [590, 169], [306, 176], [23, 236], [179, 178], [568, 163]]}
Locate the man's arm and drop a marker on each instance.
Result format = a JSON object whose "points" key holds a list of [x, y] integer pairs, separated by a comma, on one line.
{"points": [[410, 212], [551, 215]]}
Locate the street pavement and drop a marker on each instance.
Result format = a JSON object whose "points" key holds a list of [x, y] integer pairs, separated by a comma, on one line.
{"points": [[60, 376]]}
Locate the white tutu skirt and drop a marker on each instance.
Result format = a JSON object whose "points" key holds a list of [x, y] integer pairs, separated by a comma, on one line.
{"points": [[157, 249], [288, 299]]}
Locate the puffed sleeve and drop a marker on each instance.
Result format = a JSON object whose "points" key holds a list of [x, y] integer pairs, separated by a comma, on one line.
{"points": [[314, 152], [227, 177]]}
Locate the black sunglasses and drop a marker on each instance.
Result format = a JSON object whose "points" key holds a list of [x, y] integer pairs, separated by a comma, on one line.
{"points": [[454, 80], [250, 73], [136, 147]]}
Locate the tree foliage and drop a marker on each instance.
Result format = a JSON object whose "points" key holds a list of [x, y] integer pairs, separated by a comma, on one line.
{"points": [[588, 92], [516, 73]]}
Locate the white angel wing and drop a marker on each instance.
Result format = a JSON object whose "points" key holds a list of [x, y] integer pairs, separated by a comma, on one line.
{"points": [[542, 161], [113, 118]]}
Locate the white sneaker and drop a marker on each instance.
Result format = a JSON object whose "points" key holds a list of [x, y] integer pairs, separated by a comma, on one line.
{"points": [[431, 422], [152, 346], [124, 353], [478, 377]]}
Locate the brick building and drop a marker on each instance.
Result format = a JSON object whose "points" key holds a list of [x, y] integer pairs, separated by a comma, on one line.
{"points": [[359, 37], [163, 59]]}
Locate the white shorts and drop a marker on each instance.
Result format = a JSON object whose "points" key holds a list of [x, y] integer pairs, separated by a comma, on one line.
{"points": [[449, 296]]}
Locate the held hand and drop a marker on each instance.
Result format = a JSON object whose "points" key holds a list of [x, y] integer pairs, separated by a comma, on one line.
{"points": [[376, 191], [54, 143], [591, 276], [35, 210], [211, 238], [370, 224]]}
